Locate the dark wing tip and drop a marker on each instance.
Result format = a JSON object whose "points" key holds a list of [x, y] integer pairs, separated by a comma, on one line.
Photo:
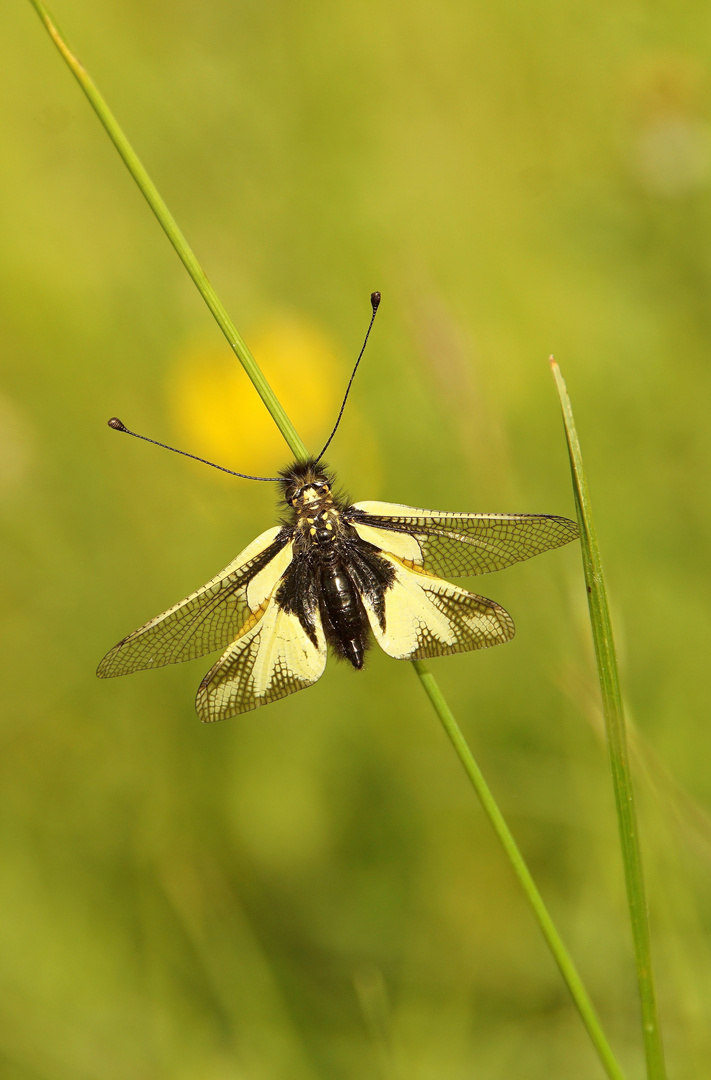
{"points": [[210, 713], [103, 670], [508, 626], [203, 707], [106, 669], [117, 662], [202, 699], [570, 527]]}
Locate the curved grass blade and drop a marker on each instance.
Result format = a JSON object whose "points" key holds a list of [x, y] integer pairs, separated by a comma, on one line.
{"points": [[616, 742], [174, 234]]}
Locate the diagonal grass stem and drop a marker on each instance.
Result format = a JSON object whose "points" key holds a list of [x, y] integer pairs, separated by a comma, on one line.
{"points": [[616, 742], [553, 939], [174, 234]]}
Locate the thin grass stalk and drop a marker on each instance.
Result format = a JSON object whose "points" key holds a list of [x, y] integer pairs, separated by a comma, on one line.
{"points": [[553, 939], [297, 447], [616, 731], [174, 234]]}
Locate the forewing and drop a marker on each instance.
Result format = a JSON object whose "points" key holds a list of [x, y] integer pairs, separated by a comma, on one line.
{"points": [[274, 656], [426, 616], [458, 544], [209, 618]]}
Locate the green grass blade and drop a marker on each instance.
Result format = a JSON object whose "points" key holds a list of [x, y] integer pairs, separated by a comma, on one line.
{"points": [[170, 227], [616, 742], [553, 939]]}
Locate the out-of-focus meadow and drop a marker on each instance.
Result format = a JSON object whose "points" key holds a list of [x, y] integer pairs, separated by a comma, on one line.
{"points": [[311, 891]]}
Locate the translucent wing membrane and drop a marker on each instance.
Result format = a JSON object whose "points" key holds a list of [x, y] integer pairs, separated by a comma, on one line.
{"points": [[266, 608], [273, 657], [458, 544], [426, 616], [209, 618]]}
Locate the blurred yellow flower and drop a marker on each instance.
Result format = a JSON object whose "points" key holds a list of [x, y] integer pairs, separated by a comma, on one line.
{"points": [[219, 415]]}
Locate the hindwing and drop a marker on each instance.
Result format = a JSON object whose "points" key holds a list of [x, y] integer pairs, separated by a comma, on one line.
{"points": [[458, 544], [274, 655], [423, 615]]}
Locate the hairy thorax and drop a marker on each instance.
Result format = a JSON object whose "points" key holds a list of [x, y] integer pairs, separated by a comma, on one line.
{"points": [[319, 523], [318, 518]]}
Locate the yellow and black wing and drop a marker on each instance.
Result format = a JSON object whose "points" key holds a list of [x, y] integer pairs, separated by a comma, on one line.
{"points": [[273, 656], [458, 544], [423, 615], [209, 618]]}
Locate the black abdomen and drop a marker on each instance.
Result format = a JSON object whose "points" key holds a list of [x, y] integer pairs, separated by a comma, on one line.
{"points": [[344, 619]]}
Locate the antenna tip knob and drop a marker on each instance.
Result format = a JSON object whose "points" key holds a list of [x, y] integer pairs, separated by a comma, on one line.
{"points": [[375, 300], [117, 424]]}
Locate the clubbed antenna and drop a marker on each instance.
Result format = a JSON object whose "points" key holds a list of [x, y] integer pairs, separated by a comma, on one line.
{"points": [[375, 302], [118, 425]]}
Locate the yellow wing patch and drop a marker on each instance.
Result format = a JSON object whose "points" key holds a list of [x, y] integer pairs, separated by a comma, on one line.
{"points": [[402, 544], [272, 657], [427, 616], [262, 585]]}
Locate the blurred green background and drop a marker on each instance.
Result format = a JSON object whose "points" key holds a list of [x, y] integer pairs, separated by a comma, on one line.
{"points": [[311, 891]]}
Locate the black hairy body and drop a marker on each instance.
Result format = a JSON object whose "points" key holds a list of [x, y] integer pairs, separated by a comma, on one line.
{"points": [[334, 574], [332, 568]]}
